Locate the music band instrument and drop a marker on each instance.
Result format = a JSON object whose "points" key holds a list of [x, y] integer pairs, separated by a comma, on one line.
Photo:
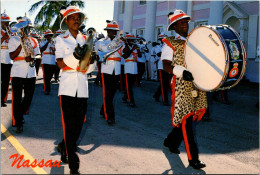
{"points": [[216, 57], [112, 47], [22, 29]]}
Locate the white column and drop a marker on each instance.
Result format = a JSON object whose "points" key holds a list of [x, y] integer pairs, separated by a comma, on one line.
{"points": [[252, 36], [116, 10], [243, 29], [150, 20], [128, 16], [182, 5], [216, 12]]}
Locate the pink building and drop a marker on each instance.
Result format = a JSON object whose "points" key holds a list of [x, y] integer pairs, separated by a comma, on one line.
{"points": [[149, 18]]}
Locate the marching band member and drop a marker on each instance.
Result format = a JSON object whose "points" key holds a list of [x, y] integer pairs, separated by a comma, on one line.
{"points": [[154, 60], [110, 71], [73, 88], [57, 69], [122, 76], [39, 59], [48, 60], [130, 53], [141, 60], [98, 78], [163, 76], [23, 71], [6, 62], [187, 103]]}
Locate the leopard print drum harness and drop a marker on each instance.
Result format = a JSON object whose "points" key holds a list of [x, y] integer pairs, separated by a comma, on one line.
{"points": [[183, 104]]}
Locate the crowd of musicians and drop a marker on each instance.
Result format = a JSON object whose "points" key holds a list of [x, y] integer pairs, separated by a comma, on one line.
{"points": [[130, 60]]}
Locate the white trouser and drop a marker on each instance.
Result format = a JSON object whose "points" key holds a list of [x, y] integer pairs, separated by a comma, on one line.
{"points": [[153, 71]]}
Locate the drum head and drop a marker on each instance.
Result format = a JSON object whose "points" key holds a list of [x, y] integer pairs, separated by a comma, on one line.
{"points": [[205, 58]]}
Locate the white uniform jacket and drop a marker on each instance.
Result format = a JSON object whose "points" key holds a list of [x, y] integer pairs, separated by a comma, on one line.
{"points": [[143, 58], [131, 63], [5, 57], [20, 67], [72, 82], [48, 55], [113, 62]]}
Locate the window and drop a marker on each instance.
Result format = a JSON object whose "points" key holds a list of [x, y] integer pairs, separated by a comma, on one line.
{"points": [[200, 23], [140, 32], [142, 2], [122, 7], [158, 30]]}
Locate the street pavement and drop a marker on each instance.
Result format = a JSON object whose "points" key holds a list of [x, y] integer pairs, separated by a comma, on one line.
{"points": [[228, 143]]}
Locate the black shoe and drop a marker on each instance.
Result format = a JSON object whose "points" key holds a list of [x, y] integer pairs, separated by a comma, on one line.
{"points": [[166, 104], [62, 151], [3, 104], [132, 105], [197, 164], [19, 129], [156, 98], [110, 122], [206, 118], [226, 102], [74, 172], [172, 149], [124, 100]]}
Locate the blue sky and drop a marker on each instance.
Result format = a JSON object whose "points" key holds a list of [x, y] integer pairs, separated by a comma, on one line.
{"points": [[97, 11]]}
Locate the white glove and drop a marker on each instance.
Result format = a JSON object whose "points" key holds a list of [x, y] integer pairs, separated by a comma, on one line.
{"points": [[178, 70]]}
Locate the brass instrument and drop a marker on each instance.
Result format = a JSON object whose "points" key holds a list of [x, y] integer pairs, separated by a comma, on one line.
{"points": [[112, 47], [91, 30], [22, 30]]}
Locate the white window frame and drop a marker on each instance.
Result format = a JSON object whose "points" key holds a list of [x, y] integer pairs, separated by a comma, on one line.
{"points": [[158, 30]]}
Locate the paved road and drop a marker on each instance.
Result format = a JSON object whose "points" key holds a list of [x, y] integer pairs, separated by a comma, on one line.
{"points": [[228, 143]]}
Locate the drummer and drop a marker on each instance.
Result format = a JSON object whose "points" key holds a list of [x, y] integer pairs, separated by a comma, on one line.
{"points": [[188, 104]]}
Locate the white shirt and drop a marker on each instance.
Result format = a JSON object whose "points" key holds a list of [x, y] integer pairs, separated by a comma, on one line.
{"points": [[131, 64], [21, 68], [142, 50], [110, 65], [5, 57], [72, 82], [148, 55], [48, 55], [160, 64], [154, 52]]}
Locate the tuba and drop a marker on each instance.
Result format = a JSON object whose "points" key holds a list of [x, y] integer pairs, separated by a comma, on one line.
{"points": [[112, 47], [22, 29]]}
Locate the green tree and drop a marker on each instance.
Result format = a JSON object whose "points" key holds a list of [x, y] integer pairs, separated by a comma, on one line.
{"points": [[50, 11]]}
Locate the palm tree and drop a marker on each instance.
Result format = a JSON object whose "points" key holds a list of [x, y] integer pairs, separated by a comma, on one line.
{"points": [[50, 11]]}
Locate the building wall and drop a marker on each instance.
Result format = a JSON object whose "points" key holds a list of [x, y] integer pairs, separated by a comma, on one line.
{"points": [[242, 15]]}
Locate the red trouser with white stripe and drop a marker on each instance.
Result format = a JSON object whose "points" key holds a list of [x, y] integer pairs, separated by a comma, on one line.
{"points": [[184, 132], [73, 111]]}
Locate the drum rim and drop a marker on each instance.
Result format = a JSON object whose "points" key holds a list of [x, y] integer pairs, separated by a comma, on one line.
{"points": [[226, 57], [244, 53]]}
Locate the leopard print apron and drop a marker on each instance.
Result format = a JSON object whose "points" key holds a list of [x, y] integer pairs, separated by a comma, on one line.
{"points": [[183, 104]]}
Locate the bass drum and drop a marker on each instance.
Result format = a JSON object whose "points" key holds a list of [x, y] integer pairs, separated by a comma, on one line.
{"points": [[215, 56]]}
